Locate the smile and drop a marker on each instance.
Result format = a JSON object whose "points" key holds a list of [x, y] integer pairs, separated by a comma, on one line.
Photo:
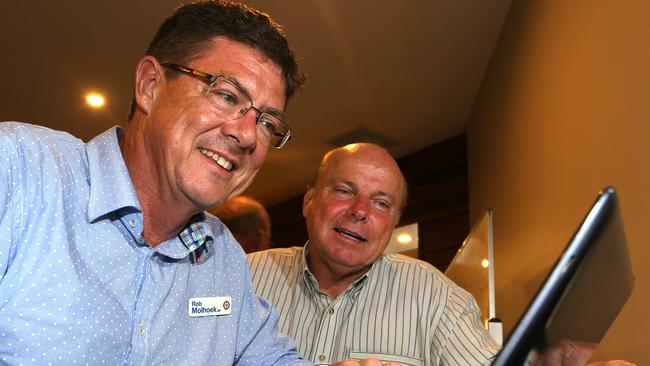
{"points": [[350, 234], [220, 160]]}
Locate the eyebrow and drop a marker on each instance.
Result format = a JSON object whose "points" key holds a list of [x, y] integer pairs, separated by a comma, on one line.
{"points": [[372, 194], [272, 111], [384, 194]]}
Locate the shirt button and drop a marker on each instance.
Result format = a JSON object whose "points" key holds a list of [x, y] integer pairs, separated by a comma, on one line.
{"points": [[321, 358], [141, 329], [331, 311], [133, 223]]}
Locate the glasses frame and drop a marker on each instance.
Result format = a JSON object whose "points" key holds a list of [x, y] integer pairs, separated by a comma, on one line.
{"points": [[210, 80]]}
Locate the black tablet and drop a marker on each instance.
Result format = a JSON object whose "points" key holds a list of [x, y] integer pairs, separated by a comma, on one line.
{"points": [[580, 298]]}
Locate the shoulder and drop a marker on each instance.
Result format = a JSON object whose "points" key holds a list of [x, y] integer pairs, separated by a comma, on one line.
{"points": [[274, 262], [26, 143], [25, 133], [277, 253], [400, 262], [39, 159]]}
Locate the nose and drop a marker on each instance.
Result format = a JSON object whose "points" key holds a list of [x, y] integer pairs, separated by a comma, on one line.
{"points": [[243, 129], [358, 211]]}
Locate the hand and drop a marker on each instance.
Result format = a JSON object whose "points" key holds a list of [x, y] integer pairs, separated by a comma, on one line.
{"points": [[367, 362], [566, 353], [572, 353]]}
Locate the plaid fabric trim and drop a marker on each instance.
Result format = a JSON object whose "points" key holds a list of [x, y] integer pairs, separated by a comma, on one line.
{"points": [[195, 237]]}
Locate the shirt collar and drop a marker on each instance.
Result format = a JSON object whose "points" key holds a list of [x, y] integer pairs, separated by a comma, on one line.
{"points": [[111, 188], [312, 283]]}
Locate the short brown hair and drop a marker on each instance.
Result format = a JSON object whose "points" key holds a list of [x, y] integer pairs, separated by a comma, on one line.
{"points": [[183, 35]]}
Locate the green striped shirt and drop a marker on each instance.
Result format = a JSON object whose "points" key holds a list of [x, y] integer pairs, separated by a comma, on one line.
{"points": [[401, 310]]}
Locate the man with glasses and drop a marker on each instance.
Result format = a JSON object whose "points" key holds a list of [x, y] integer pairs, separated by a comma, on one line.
{"points": [[106, 256]]}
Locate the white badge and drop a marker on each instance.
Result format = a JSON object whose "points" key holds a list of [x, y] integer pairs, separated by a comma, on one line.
{"points": [[209, 306]]}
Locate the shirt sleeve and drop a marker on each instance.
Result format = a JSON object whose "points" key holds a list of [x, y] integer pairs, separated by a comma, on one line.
{"points": [[468, 342], [7, 157], [262, 343]]}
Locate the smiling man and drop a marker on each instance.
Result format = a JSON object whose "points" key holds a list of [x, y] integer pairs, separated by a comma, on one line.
{"points": [[106, 256], [339, 296]]}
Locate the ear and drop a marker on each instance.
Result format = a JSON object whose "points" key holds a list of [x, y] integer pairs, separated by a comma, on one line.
{"points": [[306, 200], [148, 76]]}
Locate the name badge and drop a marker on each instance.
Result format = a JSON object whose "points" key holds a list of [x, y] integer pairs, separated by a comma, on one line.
{"points": [[209, 306]]}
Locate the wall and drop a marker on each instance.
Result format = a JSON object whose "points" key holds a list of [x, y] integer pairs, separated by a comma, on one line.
{"points": [[438, 201], [563, 111]]}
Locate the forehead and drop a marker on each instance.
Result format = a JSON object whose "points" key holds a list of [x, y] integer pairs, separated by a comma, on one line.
{"points": [[249, 66], [370, 170]]}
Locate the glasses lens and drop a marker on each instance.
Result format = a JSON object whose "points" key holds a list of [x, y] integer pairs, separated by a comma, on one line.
{"points": [[232, 102], [228, 98], [273, 130]]}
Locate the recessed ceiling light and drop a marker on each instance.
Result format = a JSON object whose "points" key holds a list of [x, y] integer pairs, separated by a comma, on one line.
{"points": [[95, 100], [485, 263]]}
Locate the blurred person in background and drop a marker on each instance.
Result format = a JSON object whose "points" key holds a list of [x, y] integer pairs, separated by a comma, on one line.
{"points": [[248, 221]]}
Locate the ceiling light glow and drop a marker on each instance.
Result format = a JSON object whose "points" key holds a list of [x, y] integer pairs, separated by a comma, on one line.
{"points": [[485, 263], [95, 100], [404, 238]]}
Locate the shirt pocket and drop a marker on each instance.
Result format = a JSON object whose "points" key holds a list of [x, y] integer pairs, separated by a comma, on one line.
{"points": [[403, 360]]}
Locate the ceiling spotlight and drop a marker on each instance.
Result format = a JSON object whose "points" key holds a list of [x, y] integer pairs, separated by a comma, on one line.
{"points": [[485, 263], [95, 100]]}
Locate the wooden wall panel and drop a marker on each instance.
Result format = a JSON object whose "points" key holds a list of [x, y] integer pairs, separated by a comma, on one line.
{"points": [[438, 201], [287, 224]]}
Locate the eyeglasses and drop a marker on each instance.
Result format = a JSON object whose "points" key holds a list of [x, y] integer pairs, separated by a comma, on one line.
{"points": [[233, 102]]}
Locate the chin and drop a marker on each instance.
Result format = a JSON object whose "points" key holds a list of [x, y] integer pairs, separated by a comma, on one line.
{"points": [[204, 202]]}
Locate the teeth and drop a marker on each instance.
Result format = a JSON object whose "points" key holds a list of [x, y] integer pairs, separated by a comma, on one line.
{"points": [[219, 159], [350, 234]]}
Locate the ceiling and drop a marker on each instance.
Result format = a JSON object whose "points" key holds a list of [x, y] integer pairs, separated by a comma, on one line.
{"points": [[406, 70]]}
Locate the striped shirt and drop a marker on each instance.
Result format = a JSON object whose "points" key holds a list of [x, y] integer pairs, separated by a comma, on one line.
{"points": [[402, 310]]}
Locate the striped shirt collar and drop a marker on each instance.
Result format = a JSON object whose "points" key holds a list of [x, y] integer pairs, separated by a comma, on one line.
{"points": [[312, 283]]}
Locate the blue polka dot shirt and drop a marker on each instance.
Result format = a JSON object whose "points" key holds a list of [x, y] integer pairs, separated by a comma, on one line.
{"points": [[80, 286]]}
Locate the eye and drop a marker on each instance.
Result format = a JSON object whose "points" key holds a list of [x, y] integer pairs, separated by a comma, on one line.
{"points": [[225, 94], [382, 204], [225, 97], [342, 191], [268, 124]]}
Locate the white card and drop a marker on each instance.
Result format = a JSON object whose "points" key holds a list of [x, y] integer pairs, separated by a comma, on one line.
{"points": [[209, 306]]}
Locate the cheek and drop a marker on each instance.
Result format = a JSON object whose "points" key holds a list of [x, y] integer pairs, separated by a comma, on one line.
{"points": [[258, 157], [383, 229], [318, 220], [201, 120]]}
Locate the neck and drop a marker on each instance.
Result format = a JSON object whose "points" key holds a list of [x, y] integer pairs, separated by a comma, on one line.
{"points": [[333, 281], [163, 217]]}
